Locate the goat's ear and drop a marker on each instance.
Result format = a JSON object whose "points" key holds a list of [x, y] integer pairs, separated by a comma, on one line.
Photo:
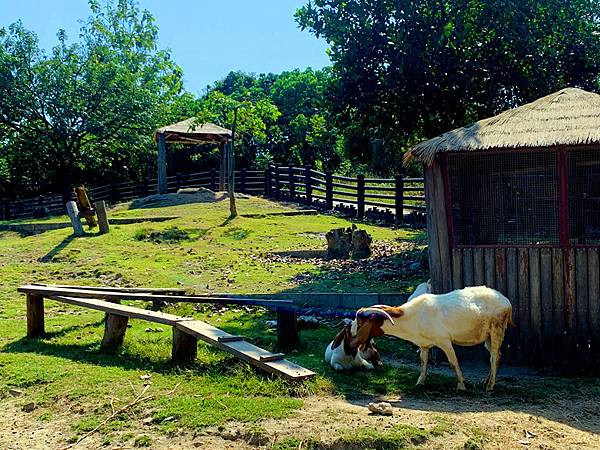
{"points": [[394, 311]]}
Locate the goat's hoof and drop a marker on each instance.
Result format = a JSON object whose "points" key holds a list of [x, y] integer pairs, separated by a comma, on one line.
{"points": [[461, 387], [420, 382], [489, 388]]}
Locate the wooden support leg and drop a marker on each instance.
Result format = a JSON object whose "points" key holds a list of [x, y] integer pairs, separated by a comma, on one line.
{"points": [[35, 315], [287, 329], [114, 332], [185, 347]]}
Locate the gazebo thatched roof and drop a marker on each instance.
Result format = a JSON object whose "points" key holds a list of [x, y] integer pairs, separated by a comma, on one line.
{"points": [[189, 131], [568, 117]]}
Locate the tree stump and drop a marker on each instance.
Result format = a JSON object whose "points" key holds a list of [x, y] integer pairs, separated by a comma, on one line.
{"points": [[339, 243], [361, 244]]}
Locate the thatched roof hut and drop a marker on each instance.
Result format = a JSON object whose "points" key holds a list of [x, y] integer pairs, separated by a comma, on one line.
{"points": [[190, 131], [570, 116], [513, 202]]}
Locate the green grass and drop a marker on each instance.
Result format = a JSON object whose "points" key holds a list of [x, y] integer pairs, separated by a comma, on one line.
{"points": [[202, 251]]}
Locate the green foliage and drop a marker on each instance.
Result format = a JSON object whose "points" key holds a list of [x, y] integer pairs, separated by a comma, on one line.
{"points": [[404, 70], [84, 110]]}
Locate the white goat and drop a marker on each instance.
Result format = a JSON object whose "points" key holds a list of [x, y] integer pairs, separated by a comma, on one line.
{"points": [[340, 355], [466, 316], [423, 288]]}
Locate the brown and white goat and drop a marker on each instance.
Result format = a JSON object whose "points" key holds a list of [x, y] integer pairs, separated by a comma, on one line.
{"points": [[466, 316], [341, 355]]}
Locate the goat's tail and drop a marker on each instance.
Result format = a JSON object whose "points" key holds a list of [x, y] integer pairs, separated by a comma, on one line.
{"points": [[509, 320]]}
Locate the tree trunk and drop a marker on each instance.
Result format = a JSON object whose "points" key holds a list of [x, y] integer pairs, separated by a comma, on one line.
{"points": [[339, 242]]}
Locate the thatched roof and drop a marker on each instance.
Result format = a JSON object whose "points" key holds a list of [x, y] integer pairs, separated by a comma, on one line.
{"points": [[189, 131], [567, 117]]}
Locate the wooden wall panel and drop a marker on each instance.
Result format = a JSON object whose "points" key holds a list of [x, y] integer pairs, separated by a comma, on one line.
{"points": [[500, 268], [512, 293], [457, 269], [558, 290], [546, 297], [468, 267], [594, 302], [478, 267], [535, 304], [581, 304], [570, 352], [489, 258], [523, 283]]}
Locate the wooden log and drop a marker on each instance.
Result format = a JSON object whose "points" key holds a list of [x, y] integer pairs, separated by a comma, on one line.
{"points": [[512, 293], [339, 243], [85, 207], [73, 213], [185, 347], [546, 299], [457, 269], [114, 332], [489, 261], [468, 267], [535, 302], [35, 315], [287, 329], [524, 319], [103, 225], [594, 302], [361, 244], [582, 305], [162, 164], [558, 302], [478, 267]]}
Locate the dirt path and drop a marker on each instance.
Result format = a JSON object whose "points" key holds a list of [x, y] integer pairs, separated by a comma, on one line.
{"points": [[569, 425]]}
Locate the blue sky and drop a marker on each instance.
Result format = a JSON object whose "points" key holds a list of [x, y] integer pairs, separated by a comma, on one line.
{"points": [[208, 38]]}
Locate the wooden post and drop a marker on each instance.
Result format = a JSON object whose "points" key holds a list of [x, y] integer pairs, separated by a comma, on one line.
{"points": [[292, 182], [114, 332], [185, 347], [277, 184], [329, 190], [177, 181], [35, 315], [162, 164], [100, 208], [222, 166], [213, 179], [231, 178], [268, 181], [74, 216], [360, 192], [287, 329], [243, 180], [308, 185], [399, 198]]}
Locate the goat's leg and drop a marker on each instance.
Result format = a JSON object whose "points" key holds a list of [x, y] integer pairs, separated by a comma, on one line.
{"points": [[449, 351], [424, 353], [496, 338]]}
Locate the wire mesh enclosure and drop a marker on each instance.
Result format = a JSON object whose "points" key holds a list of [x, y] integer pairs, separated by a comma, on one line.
{"points": [[504, 198], [584, 196]]}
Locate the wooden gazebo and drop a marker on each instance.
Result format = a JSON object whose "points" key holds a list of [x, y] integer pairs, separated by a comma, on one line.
{"points": [[513, 202], [190, 132]]}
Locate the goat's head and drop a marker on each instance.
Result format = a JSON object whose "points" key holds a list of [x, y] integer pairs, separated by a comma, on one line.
{"points": [[369, 321], [370, 353]]}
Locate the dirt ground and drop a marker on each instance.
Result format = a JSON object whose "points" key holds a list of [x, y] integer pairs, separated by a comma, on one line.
{"points": [[568, 424]]}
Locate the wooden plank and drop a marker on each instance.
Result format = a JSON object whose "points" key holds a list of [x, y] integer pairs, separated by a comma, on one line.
{"points": [[478, 267], [581, 304], [435, 265], [230, 338], [184, 347], [524, 319], [165, 291], [468, 267], [441, 225], [594, 302], [457, 269], [273, 357], [500, 269], [558, 304], [121, 310], [244, 350], [489, 260], [570, 305], [47, 291], [535, 305], [512, 293], [546, 298]]}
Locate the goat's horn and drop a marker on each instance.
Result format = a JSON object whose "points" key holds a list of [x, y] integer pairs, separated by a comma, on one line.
{"points": [[374, 310]]}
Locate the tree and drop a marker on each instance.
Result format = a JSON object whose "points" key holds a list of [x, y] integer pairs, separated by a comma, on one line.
{"points": [[86, 109], [408, 69]]}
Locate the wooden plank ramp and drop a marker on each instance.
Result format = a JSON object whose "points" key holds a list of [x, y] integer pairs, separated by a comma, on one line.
{"points": [[244, 350]]}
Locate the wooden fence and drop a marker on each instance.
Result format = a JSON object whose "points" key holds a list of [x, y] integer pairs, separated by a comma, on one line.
{"points": [[382, 199]]}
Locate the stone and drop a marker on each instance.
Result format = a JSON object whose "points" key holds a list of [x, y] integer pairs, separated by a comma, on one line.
{"points": [[29, 407], [381, 408], [15, 392]]}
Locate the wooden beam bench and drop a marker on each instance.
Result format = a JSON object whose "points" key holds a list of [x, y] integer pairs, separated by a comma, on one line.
{"points": [[186, 331]]}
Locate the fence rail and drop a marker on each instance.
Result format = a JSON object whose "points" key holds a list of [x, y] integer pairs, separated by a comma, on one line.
{"points": [[382, 199]]}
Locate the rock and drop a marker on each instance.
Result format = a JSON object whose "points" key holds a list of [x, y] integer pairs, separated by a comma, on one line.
{"points": [[381, 408], [145, 377], [29, 407], [15, 392], [309, 321]]}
